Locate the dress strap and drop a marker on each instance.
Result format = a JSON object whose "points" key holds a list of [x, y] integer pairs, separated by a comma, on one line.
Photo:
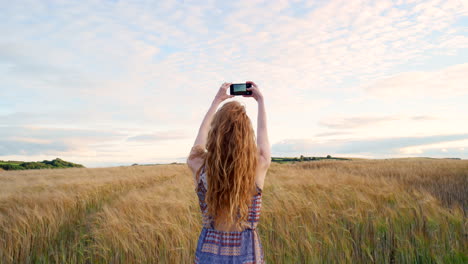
{"points": [[203, 177], [258, 188]]}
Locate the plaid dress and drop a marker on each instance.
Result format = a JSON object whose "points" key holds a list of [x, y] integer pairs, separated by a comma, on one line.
{"points": [[215, 246]]}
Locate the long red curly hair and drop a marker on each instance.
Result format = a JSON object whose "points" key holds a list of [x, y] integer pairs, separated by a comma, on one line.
{"points": [[230, 162]]}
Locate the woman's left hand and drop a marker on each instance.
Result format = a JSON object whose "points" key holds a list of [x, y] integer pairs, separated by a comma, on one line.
{"points": [[221, 95]]}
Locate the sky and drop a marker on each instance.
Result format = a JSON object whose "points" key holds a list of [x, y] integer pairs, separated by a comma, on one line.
{"points": [[108, 83]]}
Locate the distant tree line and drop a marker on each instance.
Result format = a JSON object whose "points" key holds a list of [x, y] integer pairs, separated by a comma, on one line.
{"points": [[46, 164], [302, 158]]}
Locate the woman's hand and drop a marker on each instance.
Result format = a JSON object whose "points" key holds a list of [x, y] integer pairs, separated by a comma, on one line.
{"points": [[221, 95], [206, 123], [256, 94]]}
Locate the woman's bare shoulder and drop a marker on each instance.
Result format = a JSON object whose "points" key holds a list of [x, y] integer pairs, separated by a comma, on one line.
{"points": [[196, 157]]}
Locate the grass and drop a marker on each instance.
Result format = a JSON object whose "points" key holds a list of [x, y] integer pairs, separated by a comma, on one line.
{"points": [[328, 211]]}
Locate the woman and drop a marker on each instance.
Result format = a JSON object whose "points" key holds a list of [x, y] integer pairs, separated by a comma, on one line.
{"points": [[229, 178]]}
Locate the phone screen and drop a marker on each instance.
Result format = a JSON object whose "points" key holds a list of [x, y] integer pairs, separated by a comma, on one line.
{"points": [[239, 87]]}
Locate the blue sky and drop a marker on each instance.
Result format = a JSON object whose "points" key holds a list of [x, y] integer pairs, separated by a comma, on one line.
{"points": [[107, 83]]}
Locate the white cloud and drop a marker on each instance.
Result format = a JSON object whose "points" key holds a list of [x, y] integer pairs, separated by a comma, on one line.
{"points": [[159, 136], [449, 82], [352, 122], [459, 145], [373, 147]]}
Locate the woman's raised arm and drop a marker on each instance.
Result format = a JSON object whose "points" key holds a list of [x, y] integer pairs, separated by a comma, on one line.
{"points": [[206, 123], [263, 143]]}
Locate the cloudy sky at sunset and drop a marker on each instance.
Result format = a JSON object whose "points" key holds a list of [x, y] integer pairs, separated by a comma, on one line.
{"points": [[106, 83]]}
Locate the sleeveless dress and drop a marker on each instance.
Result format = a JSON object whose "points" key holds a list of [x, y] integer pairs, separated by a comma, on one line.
{"points": [[216, 246]]}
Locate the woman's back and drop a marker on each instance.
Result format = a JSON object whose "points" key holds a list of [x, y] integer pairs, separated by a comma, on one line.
{"points": [[235, 160], [219, 246]]}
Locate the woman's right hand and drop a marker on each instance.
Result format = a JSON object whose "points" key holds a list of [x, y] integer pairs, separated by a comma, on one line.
{"points": [[256, 94]]}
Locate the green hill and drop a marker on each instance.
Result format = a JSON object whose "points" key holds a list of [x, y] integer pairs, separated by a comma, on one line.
{"points": [[46, 164]]}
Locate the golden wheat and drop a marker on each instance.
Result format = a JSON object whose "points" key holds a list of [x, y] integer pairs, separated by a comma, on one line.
{"points": [[362, 211]]}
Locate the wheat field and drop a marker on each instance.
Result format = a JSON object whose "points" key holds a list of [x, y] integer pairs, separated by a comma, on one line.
{"points": [[360, 211]]}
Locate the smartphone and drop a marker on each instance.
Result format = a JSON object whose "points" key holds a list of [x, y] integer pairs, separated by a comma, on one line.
{"points": [[240, 89]]}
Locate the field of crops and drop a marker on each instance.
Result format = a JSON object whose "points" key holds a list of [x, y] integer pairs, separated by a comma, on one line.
{"points": [[328, 211]]}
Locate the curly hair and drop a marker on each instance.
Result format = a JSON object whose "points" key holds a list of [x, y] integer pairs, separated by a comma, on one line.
{"points": [[230, 162]]}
